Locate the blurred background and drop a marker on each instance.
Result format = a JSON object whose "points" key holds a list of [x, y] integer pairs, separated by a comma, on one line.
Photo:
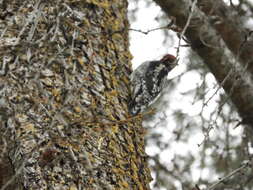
{"points": [[195, 137]]}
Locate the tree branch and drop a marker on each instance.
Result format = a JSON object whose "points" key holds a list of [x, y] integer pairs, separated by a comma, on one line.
{"points": [[211, 48], [245, 165]]}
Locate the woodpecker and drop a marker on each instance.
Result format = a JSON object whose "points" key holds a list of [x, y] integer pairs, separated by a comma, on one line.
{"points": [[148, 81]]}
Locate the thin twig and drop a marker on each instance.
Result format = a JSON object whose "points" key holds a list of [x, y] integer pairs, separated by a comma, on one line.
{"points": [[148, 31], [186, 25], [127, 120], [168, 26], [245, 165], [219, 87]]}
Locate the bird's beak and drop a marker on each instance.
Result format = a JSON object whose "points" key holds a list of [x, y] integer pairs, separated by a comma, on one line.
{"points": [[175, 63]]}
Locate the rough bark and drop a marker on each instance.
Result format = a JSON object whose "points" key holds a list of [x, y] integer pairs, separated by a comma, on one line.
{"points": [[63, 95], [232, 69], [230, 28]]}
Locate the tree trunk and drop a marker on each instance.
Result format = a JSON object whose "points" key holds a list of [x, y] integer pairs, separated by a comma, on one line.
{"points": [[64, 88], [212, 40]]}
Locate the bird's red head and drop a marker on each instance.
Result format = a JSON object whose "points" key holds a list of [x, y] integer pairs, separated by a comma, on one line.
{"points": [[169, 58]]}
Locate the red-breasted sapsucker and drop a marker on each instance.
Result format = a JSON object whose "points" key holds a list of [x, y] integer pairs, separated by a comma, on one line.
{"points": [[148, 80]]}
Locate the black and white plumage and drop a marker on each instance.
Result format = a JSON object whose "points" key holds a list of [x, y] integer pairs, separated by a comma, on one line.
{"points": [[148, 80]]}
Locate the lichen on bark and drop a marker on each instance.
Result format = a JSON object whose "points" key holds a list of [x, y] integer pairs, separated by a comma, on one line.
{"points": [[64, 90]]}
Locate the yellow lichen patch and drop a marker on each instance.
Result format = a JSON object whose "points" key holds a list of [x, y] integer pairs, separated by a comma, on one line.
{"points": [[56, 92], [90, 157], [100, 141], [115, 129], [47, 81], [110, 98], [110, 116], [80, 60], [62, 142], [29, 127], [114, 93], [128, 55], [91, 180], [140, 187], [77, 109], [118, 171], [116, 37], [124, 184], [75, 147], [110, 45], [73, 187], [131, 148], [86, 22], [135, 176], [70, 60], [125, 80], [111, 23], [114, 81], [21, 117]]}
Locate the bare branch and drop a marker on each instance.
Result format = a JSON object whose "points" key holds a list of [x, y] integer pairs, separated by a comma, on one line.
{"points": [[234, 172], [186, 25]]}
